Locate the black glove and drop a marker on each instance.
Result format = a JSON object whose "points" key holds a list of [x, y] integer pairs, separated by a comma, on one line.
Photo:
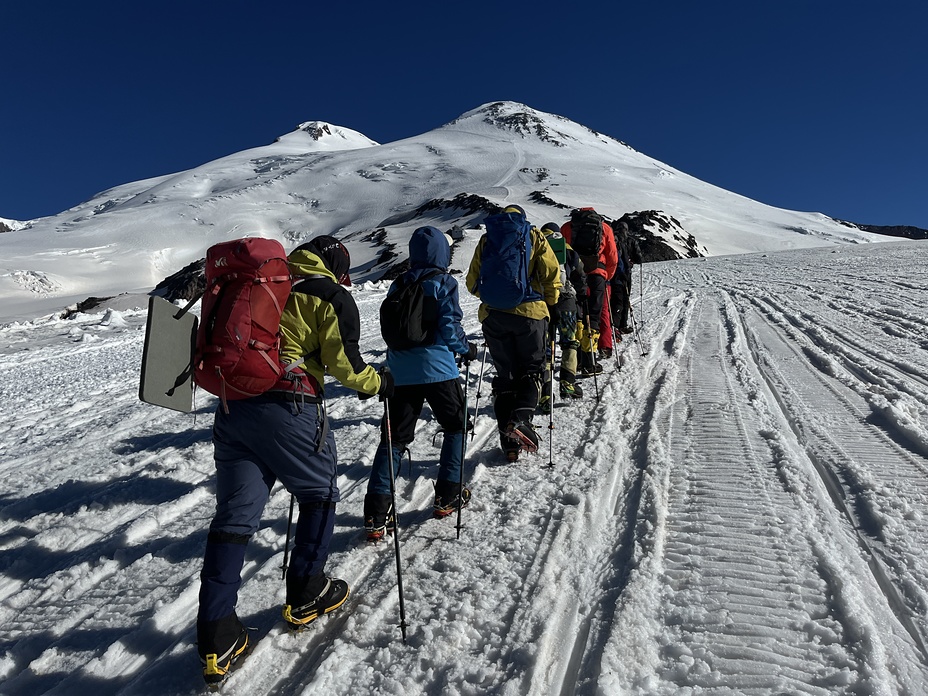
{"points": [[552, 312], [386, 384], [471, 353]]}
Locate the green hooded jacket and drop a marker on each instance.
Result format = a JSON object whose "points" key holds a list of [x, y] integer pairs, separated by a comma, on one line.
{"points": [[321, 324]]}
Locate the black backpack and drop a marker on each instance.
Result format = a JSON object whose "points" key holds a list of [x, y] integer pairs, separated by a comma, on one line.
{"points": [[408, 317], [586, 236]]}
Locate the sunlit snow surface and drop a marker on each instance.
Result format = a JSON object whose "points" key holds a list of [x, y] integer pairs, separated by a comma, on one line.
{"points": [[743, 512]]}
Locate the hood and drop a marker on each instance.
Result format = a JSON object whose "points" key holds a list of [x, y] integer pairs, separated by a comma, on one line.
{"points": [[303, 262], [328, 251], [429, 248]]}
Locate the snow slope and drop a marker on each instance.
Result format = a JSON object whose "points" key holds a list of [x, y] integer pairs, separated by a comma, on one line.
{"points": [[744, 511], [323, 179]]}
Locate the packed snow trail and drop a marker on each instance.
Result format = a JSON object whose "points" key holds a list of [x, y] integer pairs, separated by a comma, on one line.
{"points": [[745, 511]]}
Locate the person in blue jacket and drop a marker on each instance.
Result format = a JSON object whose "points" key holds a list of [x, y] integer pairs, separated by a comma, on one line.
{"points": [[425, 373]]}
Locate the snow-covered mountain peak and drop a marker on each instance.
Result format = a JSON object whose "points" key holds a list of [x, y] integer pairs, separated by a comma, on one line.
{"points": [[518, 119], [499, 112], [512, 118], [319, 135], [326, 179], [9, 225]]}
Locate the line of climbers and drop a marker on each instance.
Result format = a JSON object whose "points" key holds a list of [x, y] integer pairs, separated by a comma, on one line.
{"points": [[537, 287]]}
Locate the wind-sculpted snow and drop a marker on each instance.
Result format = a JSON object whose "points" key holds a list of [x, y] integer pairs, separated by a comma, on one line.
{"points": [[744, 511]]}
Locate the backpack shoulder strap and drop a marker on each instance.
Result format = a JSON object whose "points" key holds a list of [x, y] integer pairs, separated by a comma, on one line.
{"points": [[424, 277], [193, 300]]}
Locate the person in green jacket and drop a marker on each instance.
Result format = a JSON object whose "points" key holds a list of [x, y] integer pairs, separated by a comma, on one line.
{"points": [[283, 434]]}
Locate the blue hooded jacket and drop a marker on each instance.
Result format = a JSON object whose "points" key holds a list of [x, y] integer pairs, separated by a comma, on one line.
{"points": [[429, 251]]}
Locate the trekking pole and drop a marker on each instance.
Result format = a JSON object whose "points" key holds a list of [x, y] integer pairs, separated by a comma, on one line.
{"points": [[396, 521], [287, 540], [551, 406], [463, 449], [631, 313], [641, 291], [483, 365]]}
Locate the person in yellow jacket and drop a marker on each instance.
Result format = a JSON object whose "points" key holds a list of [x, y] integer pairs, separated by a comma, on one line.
{"points": [[516, 286], [283, 435]]}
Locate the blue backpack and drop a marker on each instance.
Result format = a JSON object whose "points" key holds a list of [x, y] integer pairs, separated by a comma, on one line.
{"points": [[507, 251]]}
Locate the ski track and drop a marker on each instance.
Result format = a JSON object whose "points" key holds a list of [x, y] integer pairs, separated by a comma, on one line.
{"points": [[741, 513], [827, 419]]}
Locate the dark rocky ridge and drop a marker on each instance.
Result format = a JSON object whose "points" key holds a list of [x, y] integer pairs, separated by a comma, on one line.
{"points": [[186, 284], [653, 247], [461, 205], [905, 231]]}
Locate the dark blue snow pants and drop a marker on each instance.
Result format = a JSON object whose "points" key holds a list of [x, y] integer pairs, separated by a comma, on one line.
{"points": [[517, 347], [260, 441], [446, 400]]}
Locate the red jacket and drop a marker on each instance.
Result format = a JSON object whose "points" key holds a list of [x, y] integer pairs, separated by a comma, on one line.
{"points": [[608, 254]]}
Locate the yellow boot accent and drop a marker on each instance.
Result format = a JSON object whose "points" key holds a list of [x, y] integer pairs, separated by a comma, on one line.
{"points": [[212, 666], [298, 623]]}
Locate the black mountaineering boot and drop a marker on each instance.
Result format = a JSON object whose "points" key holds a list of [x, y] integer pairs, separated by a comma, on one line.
{"points": [[524, 434], [220, 645], [510, 447], [449, 497], [319, 595], [590, 368], [378, 516]]}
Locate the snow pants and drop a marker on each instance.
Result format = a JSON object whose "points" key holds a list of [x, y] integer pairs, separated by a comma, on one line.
{"points": [[605, 320], [621, 292], [595, 299], [260, 441], [588, 325], [517, 347], [564, 331], [446, 400]]}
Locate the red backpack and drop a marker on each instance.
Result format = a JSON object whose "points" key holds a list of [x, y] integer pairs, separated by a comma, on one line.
{"points": [[238, 340]]}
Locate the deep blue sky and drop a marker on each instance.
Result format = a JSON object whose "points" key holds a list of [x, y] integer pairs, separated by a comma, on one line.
{"points": [[803, 104]]}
